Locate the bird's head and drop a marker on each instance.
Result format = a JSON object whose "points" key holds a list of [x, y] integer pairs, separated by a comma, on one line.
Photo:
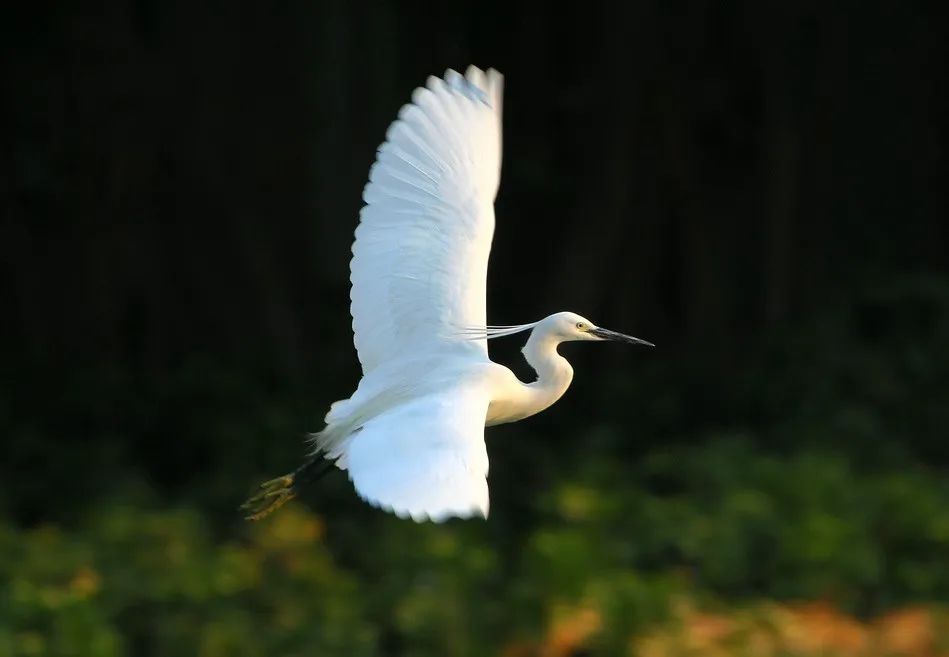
{"points": [[567, 327]]}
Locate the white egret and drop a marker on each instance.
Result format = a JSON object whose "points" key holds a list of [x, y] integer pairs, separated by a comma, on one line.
{"points": [[411, 437]]}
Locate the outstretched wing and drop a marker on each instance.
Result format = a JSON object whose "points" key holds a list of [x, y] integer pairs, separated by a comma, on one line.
{"points": [[420, 258], [425, 459]]}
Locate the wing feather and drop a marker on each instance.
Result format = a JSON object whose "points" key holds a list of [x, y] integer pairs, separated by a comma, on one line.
{"points": [[426, 458], [421, 251]]}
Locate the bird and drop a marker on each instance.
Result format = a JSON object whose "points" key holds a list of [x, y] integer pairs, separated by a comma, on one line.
{"points": [[412, 435]]}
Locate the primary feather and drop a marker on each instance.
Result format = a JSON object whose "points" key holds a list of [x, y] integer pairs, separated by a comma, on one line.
{"points": [[420, 257]]}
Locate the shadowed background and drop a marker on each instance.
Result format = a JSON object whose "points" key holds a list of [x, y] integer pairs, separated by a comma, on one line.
{"points": [[758, 188]]}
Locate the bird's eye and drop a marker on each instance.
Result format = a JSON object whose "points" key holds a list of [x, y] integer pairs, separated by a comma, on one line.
{"points": [[580, 325]]}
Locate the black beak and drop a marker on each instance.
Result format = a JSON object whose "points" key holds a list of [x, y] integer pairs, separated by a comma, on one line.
{"points": [[618, 337]]}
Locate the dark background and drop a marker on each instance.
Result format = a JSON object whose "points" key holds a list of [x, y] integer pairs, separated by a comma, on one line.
{"points": [[759, 188]]}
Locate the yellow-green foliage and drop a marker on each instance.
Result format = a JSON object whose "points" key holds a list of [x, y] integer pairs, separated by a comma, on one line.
{"points": [[605, 565], [138, 582]]}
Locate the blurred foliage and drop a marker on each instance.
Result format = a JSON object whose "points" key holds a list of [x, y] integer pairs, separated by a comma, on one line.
{"points": [[606, 566], [142, 582], [770, 630]]}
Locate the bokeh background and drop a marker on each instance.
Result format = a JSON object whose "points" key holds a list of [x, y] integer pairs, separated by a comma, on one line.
{"points": [[757, 187]]}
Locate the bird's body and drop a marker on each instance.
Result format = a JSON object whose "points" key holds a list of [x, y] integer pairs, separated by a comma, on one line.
{"points": [[411, 436]]}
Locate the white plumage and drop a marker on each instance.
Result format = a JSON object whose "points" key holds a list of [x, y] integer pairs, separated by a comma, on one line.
{"points": [[443, 463], [420, 259], [412, 434]]}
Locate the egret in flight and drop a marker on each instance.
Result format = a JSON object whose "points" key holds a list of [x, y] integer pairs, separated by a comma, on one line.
{"points": [[411, 437]]}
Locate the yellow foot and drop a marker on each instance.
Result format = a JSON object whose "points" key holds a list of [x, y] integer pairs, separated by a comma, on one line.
{"points": [[274, 494]]}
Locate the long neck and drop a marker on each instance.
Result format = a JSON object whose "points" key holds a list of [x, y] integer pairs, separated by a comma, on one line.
{"points": [[554, 373]]}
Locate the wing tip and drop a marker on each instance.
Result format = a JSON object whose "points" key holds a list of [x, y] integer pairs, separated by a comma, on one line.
{"points": [[491, 81], [437, 516], [438, 511], [486, 85]]}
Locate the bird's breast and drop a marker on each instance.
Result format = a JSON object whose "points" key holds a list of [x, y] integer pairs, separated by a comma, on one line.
{"points": [[512, 400]]}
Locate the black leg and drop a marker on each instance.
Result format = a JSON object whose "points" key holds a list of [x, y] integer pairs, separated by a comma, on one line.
{"points": [[277, 492], [313, 469]]}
